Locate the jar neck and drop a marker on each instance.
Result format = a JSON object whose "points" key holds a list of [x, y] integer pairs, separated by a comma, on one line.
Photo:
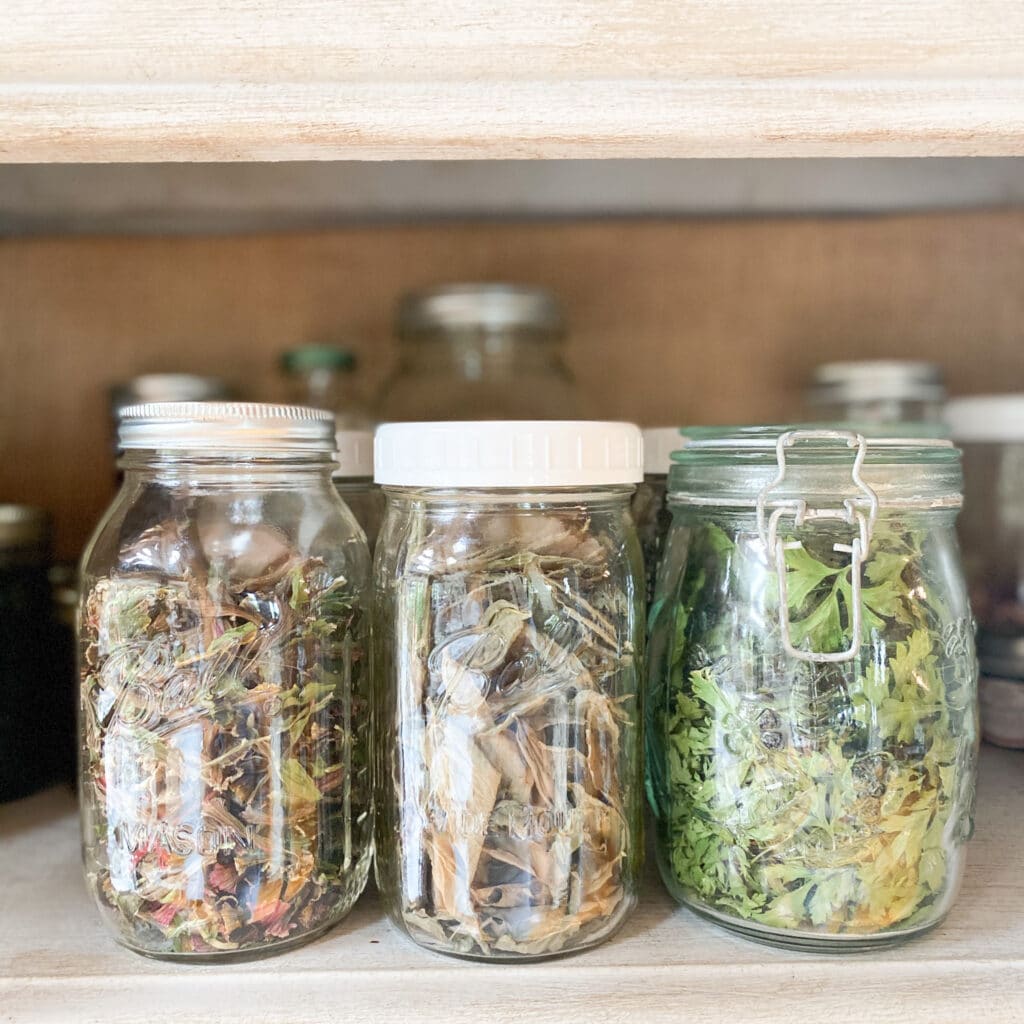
{"points": [[228, 468], [608, 496], [471, 353]]}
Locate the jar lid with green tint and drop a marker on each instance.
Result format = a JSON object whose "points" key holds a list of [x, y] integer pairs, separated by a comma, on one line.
{"points": [[896, 466], [306, 358]]}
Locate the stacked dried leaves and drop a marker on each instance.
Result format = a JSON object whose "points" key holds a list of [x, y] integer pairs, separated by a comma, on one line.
{"points": [[224, 784], [515, 802], [819, 798]]}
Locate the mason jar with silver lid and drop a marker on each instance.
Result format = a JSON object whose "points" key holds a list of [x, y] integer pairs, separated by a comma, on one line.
{"points": [[223, 706], [479, 351], [877, 391]]}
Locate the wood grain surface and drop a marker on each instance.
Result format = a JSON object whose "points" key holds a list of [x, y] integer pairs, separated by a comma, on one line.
{"points": [[59, 966], [672, 321], [102, 80]]}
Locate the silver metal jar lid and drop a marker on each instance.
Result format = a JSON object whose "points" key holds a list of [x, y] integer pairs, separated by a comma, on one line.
{"points": [[226, 426], [495, 306], [875, 379], [23, 526]]}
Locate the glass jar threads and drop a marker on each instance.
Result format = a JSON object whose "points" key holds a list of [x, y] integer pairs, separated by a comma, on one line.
{"points": [[224, 771], [508, 633], [353, 479], [479, 352], [812, 733]]}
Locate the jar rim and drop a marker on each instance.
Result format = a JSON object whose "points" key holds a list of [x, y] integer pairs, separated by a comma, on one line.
{"points": [[226, 426], [740, 465]]}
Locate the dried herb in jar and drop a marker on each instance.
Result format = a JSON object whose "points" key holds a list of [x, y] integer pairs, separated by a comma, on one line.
{"points": [[517, 733], [223, 763], [817, 797]]}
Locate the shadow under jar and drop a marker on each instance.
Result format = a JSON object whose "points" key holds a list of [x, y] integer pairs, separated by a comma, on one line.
{"points": [[224, 775], [508, 637], [812, 731]]}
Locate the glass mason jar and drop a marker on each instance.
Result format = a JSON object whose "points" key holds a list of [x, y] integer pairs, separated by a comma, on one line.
{"points": [[223, 712], [878, 391], [37, 743], [812, 735], [990, 428], [650, 510], [508, 637], [479, 352], [322, 377], [353, 479]]}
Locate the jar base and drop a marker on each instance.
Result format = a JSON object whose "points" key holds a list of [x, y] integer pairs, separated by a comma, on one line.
{"points": [[515, 958], [805, 942], [233, 956]]}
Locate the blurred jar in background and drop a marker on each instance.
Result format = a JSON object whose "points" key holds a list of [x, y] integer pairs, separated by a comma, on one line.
{"points": [[165, 387], [353, 480], [990, 431], [877, 391], [36, 677], [480, 351], [323, 377]]}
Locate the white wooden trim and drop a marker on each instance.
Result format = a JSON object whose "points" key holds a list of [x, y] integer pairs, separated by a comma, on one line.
{"points": [[97, 80]]}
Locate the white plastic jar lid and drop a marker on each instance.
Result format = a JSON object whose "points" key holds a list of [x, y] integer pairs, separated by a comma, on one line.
{"points": [[354, 454], [659, 444], [508, 453], [225, 426], [986, 418]]}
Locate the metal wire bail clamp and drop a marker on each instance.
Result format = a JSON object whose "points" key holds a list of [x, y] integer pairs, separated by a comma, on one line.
{"points": [[851, 512]]}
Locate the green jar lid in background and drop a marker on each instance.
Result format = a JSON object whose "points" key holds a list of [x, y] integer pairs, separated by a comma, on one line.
{"points": [[317, 357]]}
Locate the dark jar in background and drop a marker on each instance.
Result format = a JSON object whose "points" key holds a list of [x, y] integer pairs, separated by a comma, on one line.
{"points": [[36, 662]]}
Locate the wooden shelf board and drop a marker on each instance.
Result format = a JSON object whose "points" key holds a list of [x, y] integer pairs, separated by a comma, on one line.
{"points": [[57, 963], [316, 79]]}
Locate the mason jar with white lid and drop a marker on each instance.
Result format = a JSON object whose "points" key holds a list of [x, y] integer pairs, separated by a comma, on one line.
{"points": [[353, 478], [223, 766], [508, 636], [990, 429]]}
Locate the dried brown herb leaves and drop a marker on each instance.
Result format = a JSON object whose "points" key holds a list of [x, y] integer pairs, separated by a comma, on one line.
{"points": [[218, 734], [517, 835]]}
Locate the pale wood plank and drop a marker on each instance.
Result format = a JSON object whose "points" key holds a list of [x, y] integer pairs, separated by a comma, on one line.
{"points": [[321, 79], [58, 964]]}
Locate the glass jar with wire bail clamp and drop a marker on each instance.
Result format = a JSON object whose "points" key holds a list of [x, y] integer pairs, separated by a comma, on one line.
{"points": [[812, 702], [224, 773], [508, 637]]}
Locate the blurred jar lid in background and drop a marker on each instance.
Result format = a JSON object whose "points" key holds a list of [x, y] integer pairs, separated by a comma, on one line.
{"points": [[483, 306]]}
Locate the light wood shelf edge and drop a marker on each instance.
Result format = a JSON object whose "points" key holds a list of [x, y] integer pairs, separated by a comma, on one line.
{"points": [[56, 962], [249, 80]]}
